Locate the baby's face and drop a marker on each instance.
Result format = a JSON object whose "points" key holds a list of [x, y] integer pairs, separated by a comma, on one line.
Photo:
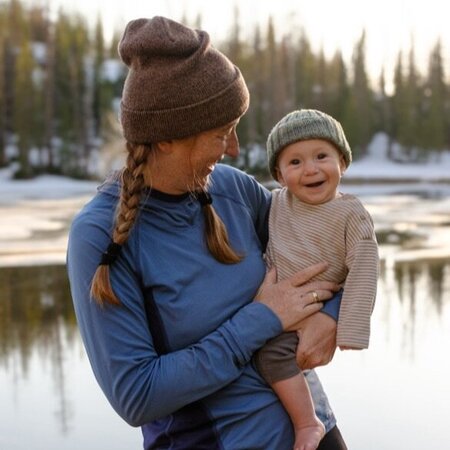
{"points": [[311, 170]]}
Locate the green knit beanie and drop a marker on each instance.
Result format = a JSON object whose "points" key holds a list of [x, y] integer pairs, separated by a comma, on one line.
{"points": [[302, 125]]}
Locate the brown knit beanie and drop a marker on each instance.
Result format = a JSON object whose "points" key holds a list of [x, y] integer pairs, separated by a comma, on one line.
{"points": [[302, 125], [178, 84]]}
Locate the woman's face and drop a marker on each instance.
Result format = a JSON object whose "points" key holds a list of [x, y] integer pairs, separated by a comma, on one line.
{"points": [[203, 151]]}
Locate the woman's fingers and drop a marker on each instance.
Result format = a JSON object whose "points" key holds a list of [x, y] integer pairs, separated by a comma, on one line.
{"points": [[307, 274], [317, 341], [306, 310], [319, 295], [294, 298]]}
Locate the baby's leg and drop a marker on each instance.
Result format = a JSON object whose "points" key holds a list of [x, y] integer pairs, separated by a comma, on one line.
{"points": [[296, 398]]}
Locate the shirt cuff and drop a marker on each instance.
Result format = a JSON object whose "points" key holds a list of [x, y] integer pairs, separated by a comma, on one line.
{"points": [[332, 306]]}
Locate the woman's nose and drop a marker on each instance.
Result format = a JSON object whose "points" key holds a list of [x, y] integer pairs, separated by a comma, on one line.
{"points": [[232, 149]]}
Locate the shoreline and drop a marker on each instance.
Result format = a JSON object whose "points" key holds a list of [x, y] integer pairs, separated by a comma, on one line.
{"points": [[37, 216], [35, 232]]}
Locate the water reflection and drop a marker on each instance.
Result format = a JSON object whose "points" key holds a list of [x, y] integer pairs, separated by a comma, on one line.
{"points": [[36, 317], [46, 384], [400, 385], [408, 277], [421, 288], [39, 344]]}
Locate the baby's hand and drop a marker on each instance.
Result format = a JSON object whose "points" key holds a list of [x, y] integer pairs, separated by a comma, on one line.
{"points": [[345, 347]]}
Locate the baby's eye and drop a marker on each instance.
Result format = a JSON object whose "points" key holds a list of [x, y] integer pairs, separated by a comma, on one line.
{"points": [[321, 155], [295, 162]]}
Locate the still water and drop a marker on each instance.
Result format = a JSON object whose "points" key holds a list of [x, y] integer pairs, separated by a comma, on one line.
{"points": [[395, 395], [49, 398]]}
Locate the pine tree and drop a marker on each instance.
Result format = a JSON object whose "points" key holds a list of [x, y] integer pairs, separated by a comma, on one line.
{"points": [[304, 73], [49, 90], [361, 102], [337, 94], [397, 101], [24, 97], [63, 96], [98, 93], [383, 112], [285, 82], [435, 136], [406, 121], [270, 70], [71, 96], [320, 87], [256, 85], [410, 120], [337, 88], [81, 83], [3, 25], [235, 51], [12, 35], [114, 45], [40, 27]]}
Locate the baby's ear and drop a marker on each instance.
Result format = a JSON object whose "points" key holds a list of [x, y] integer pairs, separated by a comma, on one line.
{"points": [[280, 178], [342, 164]]}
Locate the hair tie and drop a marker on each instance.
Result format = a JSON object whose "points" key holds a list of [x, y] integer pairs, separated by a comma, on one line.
{"points": [[111, 254], [204, 198]]}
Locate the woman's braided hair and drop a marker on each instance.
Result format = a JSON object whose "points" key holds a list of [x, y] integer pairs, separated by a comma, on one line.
{"points": [[132, 186]]}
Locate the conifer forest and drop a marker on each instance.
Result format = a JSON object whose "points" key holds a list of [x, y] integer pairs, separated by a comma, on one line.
{"points": [[61, 80]]}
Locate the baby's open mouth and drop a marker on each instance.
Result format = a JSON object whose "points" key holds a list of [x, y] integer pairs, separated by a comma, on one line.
{"points": [[313, 185]]}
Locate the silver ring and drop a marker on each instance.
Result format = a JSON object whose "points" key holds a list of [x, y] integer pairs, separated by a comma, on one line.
{"points": [[315, 296]]}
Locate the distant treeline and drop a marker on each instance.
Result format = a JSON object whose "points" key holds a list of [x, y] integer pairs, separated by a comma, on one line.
{"points": [[60, 81]]}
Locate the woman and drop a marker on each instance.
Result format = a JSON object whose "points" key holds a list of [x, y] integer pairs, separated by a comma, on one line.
{"points": [[166, 267]]}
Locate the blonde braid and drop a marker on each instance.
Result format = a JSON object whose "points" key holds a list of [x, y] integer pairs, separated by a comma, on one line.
{"points": [[216, 233], [132, 185]]}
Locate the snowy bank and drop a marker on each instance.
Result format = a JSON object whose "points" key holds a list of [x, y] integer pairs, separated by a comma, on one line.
{"points": [[36, 214], [41, 187], [376, 165]]}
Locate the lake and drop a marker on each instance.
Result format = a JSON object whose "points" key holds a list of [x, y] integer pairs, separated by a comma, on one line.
{"points": [[394, 395]]}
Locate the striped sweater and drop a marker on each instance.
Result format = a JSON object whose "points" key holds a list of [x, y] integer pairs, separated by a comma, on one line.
{"points": [[340, 232]]}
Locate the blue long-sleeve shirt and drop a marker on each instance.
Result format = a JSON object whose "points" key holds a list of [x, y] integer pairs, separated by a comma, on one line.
{"points": [[190, 382]]}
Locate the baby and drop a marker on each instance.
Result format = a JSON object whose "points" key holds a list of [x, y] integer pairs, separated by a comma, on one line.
{"points": [[312, 221]]}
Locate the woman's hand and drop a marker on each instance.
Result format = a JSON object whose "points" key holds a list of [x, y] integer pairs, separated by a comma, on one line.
{"points": [[317, 341], [295, 298]]}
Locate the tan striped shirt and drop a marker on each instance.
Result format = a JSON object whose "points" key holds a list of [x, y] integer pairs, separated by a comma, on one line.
{"points": [[340, 232]]}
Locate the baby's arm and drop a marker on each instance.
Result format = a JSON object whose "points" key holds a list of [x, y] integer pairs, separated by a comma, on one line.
{"points": [[353, 330]]}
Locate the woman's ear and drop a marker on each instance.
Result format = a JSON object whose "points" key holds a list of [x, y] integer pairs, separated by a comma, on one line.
{"points": [[164, 146]]}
